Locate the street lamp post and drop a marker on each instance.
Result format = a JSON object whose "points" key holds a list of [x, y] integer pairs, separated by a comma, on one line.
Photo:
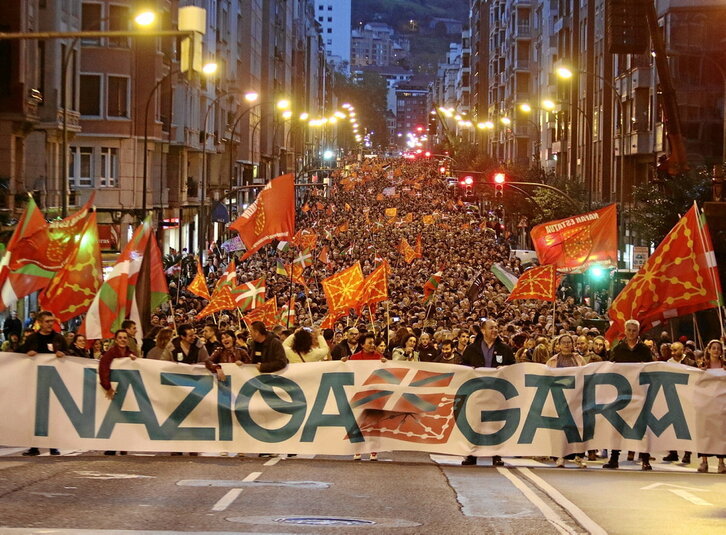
{"points": [[566, 74]]}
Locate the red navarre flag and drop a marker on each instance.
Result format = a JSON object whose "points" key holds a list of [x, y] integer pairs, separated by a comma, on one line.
{"points": [[375, 285], [222, 297], [575, 243], [270, 217], [342, 290], [199, 285], [678, 279], [267, 314], [536, 283]]}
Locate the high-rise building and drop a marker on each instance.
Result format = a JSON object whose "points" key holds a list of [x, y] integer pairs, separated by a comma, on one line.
{"points": [[334, 18]]}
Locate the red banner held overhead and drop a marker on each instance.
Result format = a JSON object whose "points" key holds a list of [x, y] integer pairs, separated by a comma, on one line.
{"points": [[270, 217], [575, 243]]}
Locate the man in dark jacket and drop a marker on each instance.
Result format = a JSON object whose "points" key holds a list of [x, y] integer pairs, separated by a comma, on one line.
{"points": [[266, 349], [12, 325], [187, 347], [349, 346], [487, 351], [47, 341], [630, 349]]}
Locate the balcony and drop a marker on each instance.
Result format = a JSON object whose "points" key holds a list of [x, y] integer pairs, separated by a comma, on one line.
{"points": [[524, 31], [521, 64], [640, 143], [641, 77]]}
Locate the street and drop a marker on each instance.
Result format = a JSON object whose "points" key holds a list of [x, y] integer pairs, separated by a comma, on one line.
{"points": [[87, 492]]}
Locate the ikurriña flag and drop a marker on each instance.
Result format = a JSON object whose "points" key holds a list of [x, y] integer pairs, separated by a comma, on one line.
{"points": [[72, 290], [119, 298], [271, 217], [430, 287], [575, 243], [536, 283], [679, 278]]}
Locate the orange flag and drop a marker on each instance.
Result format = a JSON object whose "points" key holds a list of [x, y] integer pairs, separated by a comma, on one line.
{"points": [[306, 239], [375, 285], [678, 279], [295, 272], [222, 298], [379, 197], [323, 256], [536, 283], [391, 212], [408, 218], [320, 206], [408, 252], [419, 247], [342, 290], [199, 285], [328, 321], [575, 243], [343, 228], [305, 208], [72, 290], [270, 217], [428, 220], [267, 314]]}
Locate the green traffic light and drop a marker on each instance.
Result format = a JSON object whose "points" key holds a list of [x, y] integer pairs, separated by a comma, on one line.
{"points": [[596, 272]]}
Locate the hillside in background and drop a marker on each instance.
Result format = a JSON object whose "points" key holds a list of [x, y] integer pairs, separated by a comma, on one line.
{"points": [[413, 20]]}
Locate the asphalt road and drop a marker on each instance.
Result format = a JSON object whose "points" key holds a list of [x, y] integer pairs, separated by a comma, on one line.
{"points": [[406, 493]]}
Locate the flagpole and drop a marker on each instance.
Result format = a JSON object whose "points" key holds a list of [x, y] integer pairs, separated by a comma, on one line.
{"points": [[712, 270], [388, 322], [696, 331], [310, 312], [370, 315]]}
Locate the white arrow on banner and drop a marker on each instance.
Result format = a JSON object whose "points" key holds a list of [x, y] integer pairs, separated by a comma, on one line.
{"points": [[680, 491]]}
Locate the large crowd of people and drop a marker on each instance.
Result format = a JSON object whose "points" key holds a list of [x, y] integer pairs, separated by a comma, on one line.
{"points": [[461, 324]]}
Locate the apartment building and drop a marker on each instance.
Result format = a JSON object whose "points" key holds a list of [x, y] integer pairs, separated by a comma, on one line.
{"points": [[334, 18], [143, 136]]}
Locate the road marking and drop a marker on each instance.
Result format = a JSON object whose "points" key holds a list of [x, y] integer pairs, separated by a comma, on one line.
{"points": [[578, 514], [690, 497], [680, 491], [553, 518], [227, 500], [253, 476], [272, 462], [90, 474]]}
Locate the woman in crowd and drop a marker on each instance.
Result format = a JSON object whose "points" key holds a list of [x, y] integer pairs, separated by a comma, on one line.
{"points": [[97, 349], [305, 345], [226, 354], [565, 358], [407, 351], [161, 349], [714, 361], [78, 347]]}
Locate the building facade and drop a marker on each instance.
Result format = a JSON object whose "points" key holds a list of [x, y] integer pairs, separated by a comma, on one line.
{"points": [[334, 19]]}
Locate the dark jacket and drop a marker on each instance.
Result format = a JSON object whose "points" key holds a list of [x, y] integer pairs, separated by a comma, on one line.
{"points": [[474, 357], [104, 366], [197, 352], [270, 354], [44, 343], [623, 353], [76, 351], [222, 355], [343, 350]]}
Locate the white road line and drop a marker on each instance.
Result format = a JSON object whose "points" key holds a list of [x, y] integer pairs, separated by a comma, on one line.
{"points": [[556, 520], [695, 500], [227, 499], [253, 476], [578, 514], [272, 462]]}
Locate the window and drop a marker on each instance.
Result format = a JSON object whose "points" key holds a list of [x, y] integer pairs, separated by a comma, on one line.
{"points": [[330, 19], [109, 168], [80, 167], [91, 21], [330, 8], [329, 30], [320, 19], [118, 20], [117, 96], [90, 101]]}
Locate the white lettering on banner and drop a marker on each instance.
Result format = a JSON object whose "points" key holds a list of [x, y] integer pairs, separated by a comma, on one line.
{"points": [[571, 222], [338, 408]]}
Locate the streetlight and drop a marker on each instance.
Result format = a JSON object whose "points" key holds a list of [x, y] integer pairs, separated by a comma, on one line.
{"points": [[566, 74], [143, 19]]}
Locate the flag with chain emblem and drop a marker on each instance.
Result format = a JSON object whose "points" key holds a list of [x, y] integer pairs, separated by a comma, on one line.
{"points": [[271, 217], [222, 297], [74, 287], [574, 244], [295, 272], [199, 285], [342, 290], [408, 252], [267, 314], [679, 278], [536, 283], [375, 286], [250, 295]]}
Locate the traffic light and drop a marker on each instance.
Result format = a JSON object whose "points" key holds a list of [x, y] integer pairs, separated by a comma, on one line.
{"points": [[467, 183], [445, 167], [499, 180]]}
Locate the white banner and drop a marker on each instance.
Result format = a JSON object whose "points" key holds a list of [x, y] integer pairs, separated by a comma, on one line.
{"points": [[341, 408]]}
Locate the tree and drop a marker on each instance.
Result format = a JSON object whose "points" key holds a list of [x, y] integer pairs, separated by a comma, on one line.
{"points": [[658, 205]]}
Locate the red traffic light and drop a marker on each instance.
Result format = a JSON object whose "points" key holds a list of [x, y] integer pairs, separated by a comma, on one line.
{"points": [[467, 180], [442, 170], [427, 154], [500, 178]]}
